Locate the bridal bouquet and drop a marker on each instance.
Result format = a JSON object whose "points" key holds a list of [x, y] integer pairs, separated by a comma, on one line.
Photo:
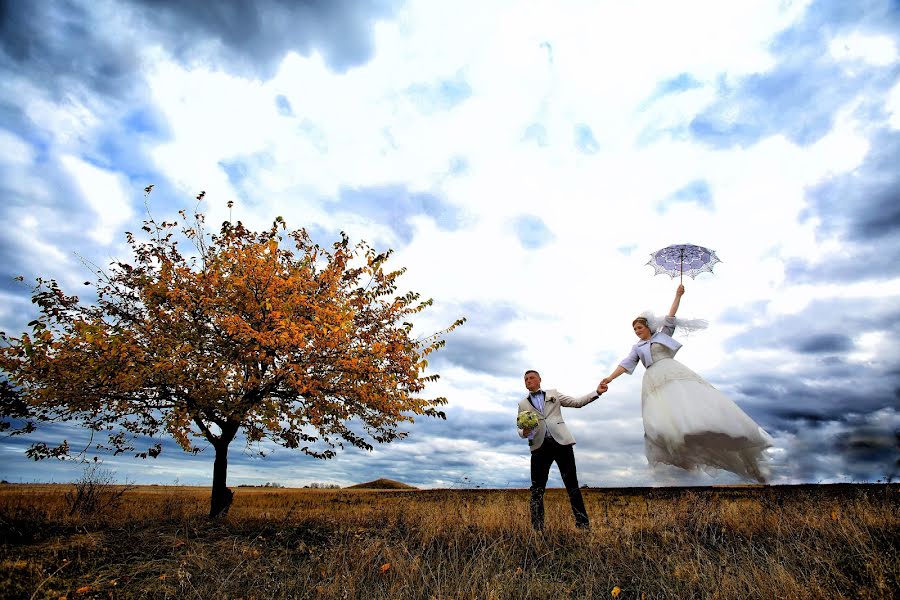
{"points": [[527, 420]]}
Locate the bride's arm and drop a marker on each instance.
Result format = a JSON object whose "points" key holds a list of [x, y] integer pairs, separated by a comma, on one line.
{"points": [[674, 308], [619, 370]]}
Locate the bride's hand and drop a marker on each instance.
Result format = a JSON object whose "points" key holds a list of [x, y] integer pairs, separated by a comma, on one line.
{"points": [[605, 381], [680, 291]]}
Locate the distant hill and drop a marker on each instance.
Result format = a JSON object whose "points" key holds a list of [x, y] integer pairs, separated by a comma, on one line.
{"points": [[382, 484]]}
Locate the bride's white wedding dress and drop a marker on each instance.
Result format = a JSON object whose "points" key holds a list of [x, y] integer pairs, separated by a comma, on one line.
{"points": [[690, 424]]}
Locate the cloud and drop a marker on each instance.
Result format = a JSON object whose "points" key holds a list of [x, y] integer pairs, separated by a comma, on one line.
{"points": [[395, 206], [250, 38], [480, 354], [824, 343], [483, 345], [860, 447], [834, 358], [37, 41], [477, 157], [861, 209], [106, 195], [800, 96], [255, 36]]}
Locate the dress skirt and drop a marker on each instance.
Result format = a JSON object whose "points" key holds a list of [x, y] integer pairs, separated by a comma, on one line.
{"points": [[690, 424]]}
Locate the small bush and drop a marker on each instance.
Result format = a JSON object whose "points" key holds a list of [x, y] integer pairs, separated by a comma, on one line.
{"points": [[95, 493]]}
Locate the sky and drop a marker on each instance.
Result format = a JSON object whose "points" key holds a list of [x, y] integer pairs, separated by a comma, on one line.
{"points": [[523, 159]]}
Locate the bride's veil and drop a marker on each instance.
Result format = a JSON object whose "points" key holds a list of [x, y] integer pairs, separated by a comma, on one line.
{"points": [[685, 326]]}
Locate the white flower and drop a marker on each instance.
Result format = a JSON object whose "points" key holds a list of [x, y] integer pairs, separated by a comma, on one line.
{"points": [[527, 420]]}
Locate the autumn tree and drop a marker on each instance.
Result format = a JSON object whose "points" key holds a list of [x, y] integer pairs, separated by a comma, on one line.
{"points": [[264, 333]]}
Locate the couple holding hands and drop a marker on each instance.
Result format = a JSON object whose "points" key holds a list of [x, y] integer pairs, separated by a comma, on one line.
{"points": [[687, 422]]}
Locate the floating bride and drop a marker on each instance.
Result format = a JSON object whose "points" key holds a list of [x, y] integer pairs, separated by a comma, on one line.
{"points": [[687, 422]]}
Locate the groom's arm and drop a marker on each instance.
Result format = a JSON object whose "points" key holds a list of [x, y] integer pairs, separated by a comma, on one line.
{"points": [[578, 402]]}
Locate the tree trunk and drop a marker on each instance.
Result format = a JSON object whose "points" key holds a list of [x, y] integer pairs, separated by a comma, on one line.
{"points": [[221, 498]]}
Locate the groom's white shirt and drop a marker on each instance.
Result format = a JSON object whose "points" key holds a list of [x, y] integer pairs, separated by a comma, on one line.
{"points": [[552, 416]]}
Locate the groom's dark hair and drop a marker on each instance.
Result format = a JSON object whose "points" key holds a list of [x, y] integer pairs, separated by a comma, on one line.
{"points": [[531, 371]]}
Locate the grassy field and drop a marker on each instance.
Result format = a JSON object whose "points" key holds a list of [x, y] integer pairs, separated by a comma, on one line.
{"points": [[836, 541]]}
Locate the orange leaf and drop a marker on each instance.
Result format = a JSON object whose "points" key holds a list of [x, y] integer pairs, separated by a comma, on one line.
{"points": [[385, 567], [83, 589]]}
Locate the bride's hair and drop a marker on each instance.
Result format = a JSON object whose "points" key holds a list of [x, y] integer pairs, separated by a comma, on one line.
{"points": [[643, 321]]}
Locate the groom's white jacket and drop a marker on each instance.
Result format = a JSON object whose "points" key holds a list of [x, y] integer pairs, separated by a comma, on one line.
{"points": [[552, 417]]}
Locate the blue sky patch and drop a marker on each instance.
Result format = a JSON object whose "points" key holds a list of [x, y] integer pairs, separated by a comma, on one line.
{"points": [[536, 133], [696, 192], [393, 205], [532, 232], [585, 140], [284, 106], [681, 83], [441, 95]]}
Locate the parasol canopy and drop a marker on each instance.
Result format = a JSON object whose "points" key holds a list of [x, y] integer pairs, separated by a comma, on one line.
{"points": [[683, 259]]}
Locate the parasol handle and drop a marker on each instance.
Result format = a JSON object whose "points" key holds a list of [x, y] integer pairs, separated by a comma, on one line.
{"points": [[681, 274]]}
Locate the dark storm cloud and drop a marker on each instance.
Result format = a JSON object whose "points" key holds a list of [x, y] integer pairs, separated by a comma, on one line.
{"points": [[862, 447], [255, 35], [801, 95], [824, 322], [824, 343], [863, 208], [872, 440], [481, 345], [481, 354], [37, 40], [43, 191], [789, 403], [61, 243], [78, 53], [863, 204], [242, 36], [421, 458], [825, 384]]}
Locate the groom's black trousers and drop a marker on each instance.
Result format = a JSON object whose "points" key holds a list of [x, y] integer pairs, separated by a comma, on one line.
{"points": [[541, 459]]}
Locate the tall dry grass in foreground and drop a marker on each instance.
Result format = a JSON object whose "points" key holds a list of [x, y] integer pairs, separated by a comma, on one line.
{"points": [[777, 542]]}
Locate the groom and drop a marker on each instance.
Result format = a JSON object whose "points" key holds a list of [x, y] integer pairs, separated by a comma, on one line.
{"points": [[551, 441]]}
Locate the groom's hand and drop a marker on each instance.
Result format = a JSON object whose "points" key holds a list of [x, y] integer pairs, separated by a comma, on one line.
{"points": [[526, 431], [601, 389]]}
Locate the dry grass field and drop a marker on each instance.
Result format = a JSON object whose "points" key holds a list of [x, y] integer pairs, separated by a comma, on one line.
{"points": [[836, 541]]}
